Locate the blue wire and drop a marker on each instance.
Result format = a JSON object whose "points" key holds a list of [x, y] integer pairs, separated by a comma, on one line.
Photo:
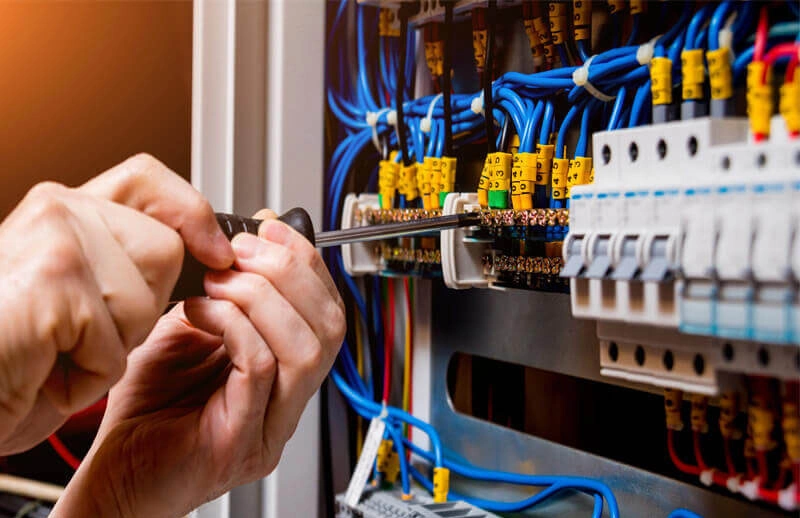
{"points": [[374, 409], [562, 132], [583, 51], [562, 54], [619, 103], [634, 29], [577, 483], [639, 100], [717, 20], [698, 20], [547, 123], [683, 513], [581, 145], [397, 439]]}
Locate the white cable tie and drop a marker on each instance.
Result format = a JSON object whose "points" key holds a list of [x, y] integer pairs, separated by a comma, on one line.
{"points": [[372, 121], [644, 54], [750, 489], [732, 483], [725, 36], [786, 498], [433, 104], [707, 477], [391, 118], [581, 78], [426, 122], [477, 105]]}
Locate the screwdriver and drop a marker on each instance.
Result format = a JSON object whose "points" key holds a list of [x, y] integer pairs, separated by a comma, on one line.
{"points": [[190, 281]]}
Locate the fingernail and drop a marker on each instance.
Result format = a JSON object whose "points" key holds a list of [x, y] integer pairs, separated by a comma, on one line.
{"points": [[219, 241], [245, 245]]}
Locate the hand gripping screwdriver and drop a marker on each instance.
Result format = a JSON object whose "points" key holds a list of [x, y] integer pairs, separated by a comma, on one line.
{"points": [[190, 281]]}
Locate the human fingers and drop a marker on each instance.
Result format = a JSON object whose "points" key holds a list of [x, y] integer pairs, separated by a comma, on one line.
{"points": [[302, 359], [296, 280], [145, 184], [280, 233], [247, 390]]}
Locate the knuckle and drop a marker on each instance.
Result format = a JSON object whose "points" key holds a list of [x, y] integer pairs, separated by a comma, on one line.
{"points": [[143, 163], [284, 262], [312, 361], [64, 259], [47, 200], [265, 365], [336, 325]]}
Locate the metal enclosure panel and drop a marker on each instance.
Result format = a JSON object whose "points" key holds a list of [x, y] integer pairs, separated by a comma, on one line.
{"points": [[257, 129], [538, 331]]}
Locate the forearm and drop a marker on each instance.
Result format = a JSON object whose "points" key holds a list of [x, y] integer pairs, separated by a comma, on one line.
{"points": [[91, 493]]}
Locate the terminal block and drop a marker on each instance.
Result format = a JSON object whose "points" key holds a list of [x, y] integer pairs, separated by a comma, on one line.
{"points": [[417, 255], [390, 504], [508, 249]]}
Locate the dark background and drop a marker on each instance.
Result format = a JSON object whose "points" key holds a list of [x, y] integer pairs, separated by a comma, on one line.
{"points": [[85, 84]]}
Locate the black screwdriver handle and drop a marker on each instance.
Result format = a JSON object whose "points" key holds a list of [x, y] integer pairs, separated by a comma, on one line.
{"points": [[190, 281], [296, 218]]}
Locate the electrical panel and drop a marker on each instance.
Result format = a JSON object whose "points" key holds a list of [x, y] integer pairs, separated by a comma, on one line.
{"points": [[634, 170]]}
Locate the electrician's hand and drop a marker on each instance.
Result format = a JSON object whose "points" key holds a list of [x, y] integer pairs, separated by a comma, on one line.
{"points": [[84, 275], [210, 399]]}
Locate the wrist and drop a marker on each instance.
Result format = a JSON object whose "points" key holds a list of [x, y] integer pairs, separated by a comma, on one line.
{"points": [[94, 491]]}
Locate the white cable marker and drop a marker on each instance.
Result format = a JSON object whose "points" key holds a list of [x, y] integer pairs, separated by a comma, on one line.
{"points": [[369, 453]]}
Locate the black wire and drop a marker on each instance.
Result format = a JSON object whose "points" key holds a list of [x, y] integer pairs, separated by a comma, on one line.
{"points": [[401, 82], [372, 333], [505, 132], [446, 87], [487, 75]]}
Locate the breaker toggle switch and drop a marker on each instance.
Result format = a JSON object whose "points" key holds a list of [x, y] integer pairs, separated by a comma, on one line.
{"points": [[659, 263], [573, 257], [628, 263], [601, 258]]}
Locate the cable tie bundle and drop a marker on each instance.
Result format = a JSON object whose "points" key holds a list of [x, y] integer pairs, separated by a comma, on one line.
{"points": [[372, 121], [644, 54], [581, 78], [426, 122], [477, 105]]}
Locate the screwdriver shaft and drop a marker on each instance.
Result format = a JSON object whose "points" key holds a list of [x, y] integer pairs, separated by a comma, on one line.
{"points": [[389, 230]]}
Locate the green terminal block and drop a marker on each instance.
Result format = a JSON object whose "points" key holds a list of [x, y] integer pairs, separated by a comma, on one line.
{"points": [[498, 199]]}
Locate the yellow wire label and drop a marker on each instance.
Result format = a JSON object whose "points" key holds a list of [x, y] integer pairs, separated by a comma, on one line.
{"points": [[441, 484], [615, 6], [544, 163], [790, 102], [720, 74], [661, 80], [759, 99], [558, 180], [558, 21], [479, 48], [500, 173], [693, 73]]}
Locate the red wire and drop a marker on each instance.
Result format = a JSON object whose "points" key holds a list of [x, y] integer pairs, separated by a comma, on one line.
{"points": [[778, 51], [698, 453], [63, 452], [686, 468], [761, 35], [388, 341], [763, 469]]}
